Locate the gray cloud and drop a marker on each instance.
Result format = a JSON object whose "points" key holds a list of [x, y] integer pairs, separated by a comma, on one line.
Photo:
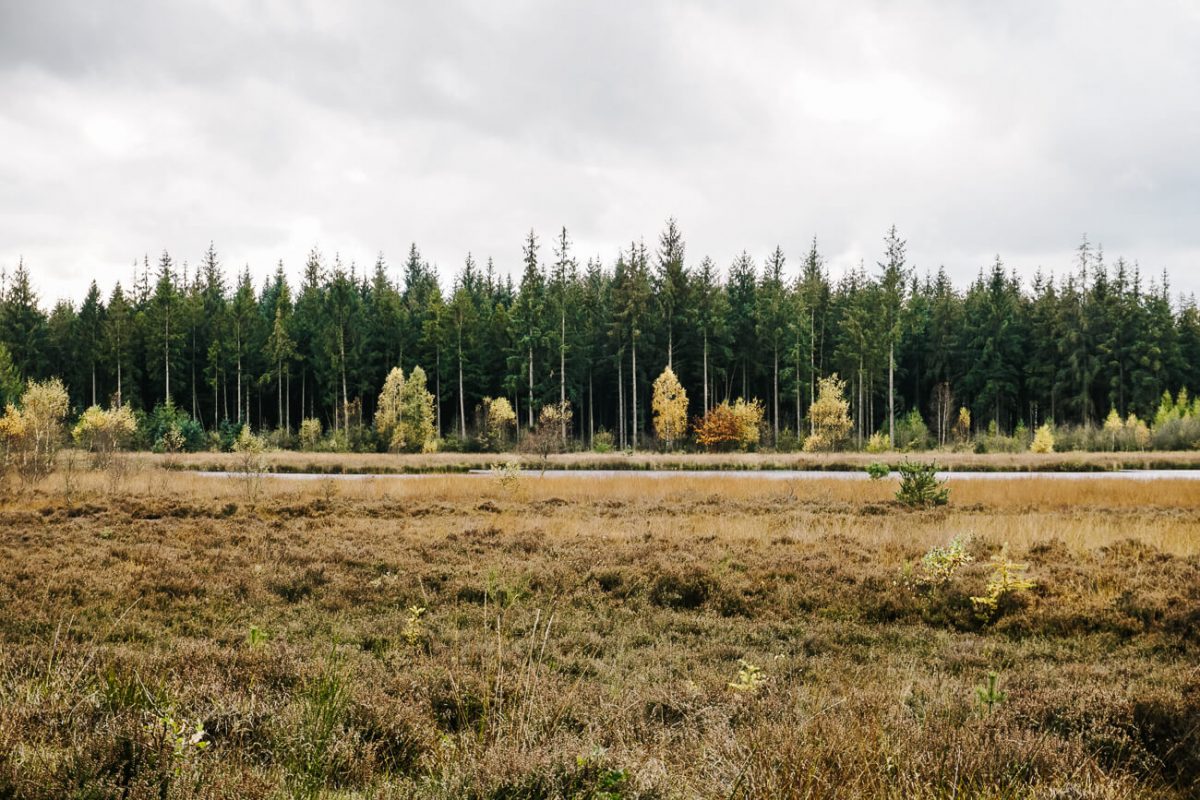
{"points": [[361, 126]]}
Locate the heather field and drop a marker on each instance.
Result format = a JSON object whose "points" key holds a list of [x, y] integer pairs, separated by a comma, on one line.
{"points": [[170, 635]]}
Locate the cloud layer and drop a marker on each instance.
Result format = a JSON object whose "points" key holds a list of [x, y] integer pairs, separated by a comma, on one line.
{"points": [[269, 127]]}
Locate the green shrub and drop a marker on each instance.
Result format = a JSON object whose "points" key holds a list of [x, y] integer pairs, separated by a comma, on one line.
{"points": [[602, 442], [878, 471], [310, 434], [169, 428], [878, 443], [920, 486], [911, 432]]}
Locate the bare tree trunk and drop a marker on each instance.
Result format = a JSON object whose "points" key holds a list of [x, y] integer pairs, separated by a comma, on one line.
{"points": [[633, 392], [621, 398], [812, 367], [775, 401], [798, 386], [530, 410], [591, 411], [239, 375], [562, 375], [706, 371], [861, 416], [462, 403], [345, 394], [167, 358], [279, 386], [892, 394]]}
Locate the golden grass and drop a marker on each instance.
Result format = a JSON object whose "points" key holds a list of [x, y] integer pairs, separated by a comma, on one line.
{"points": [[580, 634], [292, 461]]}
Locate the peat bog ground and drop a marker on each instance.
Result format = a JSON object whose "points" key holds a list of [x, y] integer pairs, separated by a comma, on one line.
{"points": [[169, 635]]}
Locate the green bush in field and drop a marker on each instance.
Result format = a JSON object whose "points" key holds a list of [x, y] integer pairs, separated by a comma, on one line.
{"points": [[920, 486], [878, 471]]}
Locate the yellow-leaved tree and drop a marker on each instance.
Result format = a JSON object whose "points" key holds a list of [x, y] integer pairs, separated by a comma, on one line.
{"points": [[1043, 440], [415, 433], [32, 433], [1114, 426], [387, 413], [102, 432], [499, 420], [670, 403], [829, 415], [749, 416]]}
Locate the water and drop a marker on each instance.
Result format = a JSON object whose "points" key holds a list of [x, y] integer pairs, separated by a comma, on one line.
{"points": [[780, 475]]}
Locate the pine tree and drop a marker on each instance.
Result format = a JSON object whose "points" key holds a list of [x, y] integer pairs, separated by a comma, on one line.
{"points": [[117, 342], [164, 333], [90, 332], [710, 306], [892, 283], [672, 291], [23, 325], [772, 323], [528, 320]]}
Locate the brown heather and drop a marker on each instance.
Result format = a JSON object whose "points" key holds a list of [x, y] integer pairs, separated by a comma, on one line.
{"points": [[580, 636]]}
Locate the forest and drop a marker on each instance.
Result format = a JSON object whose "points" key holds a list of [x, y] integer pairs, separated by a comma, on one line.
{"points": [[1064, 349]]}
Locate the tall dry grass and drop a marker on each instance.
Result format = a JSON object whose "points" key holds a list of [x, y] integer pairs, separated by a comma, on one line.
{"points": [[579, 637]]}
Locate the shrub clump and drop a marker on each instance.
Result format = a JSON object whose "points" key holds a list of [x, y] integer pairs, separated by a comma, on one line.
{"points": [[830, 416], [1043, 440], [920, 487], [32, 433], [102, 432]]}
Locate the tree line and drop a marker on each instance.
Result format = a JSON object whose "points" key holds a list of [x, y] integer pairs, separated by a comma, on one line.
{"points": [[1059, 349]]}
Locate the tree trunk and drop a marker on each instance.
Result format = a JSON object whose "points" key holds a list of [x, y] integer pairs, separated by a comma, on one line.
{"points": [[462, 403], [167, 358], [345, 394], [239, 375], [621, 398], [633, 391], [562, 375], [775, 396], [591, 412], [892, 394], [279, 381], [195, 396], [861, 417], [706, 371], [812, 367], [798, 386], [530, 409]]}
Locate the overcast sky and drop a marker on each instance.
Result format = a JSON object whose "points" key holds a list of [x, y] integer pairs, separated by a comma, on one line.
{"points": [[270, 127]]}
